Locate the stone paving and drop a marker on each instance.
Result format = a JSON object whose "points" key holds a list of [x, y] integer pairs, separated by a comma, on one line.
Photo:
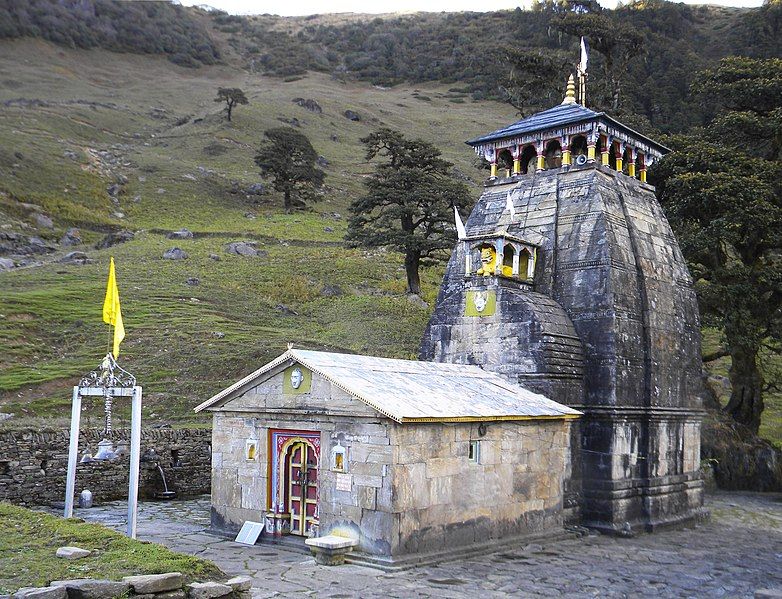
{"points": [[736, 552]]}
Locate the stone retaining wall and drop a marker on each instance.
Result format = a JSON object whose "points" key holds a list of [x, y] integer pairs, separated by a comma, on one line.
{"points": [[34, 463]]}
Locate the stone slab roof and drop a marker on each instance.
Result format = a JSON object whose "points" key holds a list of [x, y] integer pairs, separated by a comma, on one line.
{"points": [[557, 117], [413, 391]]}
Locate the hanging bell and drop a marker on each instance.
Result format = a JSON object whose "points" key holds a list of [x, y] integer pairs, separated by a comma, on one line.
{"points": [[105, 450]]}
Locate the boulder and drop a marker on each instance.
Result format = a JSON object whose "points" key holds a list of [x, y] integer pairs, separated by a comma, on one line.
{"points": [[175, 254], [244, 248], [240, 583], [72, 237], [208, 590], [87, 588], [114, 189], [215, 257], [331, 290], [351, 115], [44, 221], [193, 281], [6, 264], [41, 593], [74, 258], [256, 189], [155, 583], [768, 593], [322, 161], [72, 552], [181, 234], [114, 238], [310, 105]]}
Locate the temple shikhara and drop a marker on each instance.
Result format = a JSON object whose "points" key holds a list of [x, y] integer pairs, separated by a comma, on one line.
{"points": [[559, 380]]}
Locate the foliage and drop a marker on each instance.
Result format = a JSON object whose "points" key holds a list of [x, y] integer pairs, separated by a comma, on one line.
{"points": [[288, 158], [36, 536], [534, 77], [723, 194], [139, 27], [409, 202], [231, 96]]}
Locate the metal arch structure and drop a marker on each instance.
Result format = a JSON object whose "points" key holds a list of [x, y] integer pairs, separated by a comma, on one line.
{"points": [[108, 381]]}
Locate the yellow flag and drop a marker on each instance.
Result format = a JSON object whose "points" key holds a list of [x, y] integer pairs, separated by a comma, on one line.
{"points": [[111, 310]]}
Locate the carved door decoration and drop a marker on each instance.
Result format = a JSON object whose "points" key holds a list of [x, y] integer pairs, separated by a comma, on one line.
{"points": [[294, 490], [302, 478]]}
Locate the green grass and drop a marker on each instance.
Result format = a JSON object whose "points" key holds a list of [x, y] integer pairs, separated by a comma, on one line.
{"points": [[771, 366], [29, 540], [185, 343]]}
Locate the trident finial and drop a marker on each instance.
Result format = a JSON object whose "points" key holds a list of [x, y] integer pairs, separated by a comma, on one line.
{"points": [[570, 94]]}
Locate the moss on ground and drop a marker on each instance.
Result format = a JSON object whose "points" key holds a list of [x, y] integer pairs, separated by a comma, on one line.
{"points": [[29, 540]]}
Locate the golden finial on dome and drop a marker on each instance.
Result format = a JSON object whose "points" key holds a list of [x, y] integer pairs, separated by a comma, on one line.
{"points": [[570, 94]]}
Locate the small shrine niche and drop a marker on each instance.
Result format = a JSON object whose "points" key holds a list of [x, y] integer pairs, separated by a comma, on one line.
{"points": [[501, 255]]}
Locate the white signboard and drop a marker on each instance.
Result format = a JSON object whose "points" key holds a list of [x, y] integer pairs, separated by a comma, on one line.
{"points": [[344, 482], [249, 533]]}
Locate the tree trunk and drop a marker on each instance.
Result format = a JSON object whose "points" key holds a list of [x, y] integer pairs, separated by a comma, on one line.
{"points": [[412, 264], [288, 203], [230, 107], [746, 398]]}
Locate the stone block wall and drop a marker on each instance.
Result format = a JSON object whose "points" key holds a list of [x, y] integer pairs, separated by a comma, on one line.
{"points": [[444, 500], [34, 465]]}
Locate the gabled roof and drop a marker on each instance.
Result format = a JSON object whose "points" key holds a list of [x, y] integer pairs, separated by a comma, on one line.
{"points": [[411, 391], [564, 114]]}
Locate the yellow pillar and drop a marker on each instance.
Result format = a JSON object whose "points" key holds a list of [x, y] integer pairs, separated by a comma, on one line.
{"points": [[493, 170], [643, 175], [541, 162], [619, 164], [604, 157], [516, 166], [631, 169], [590, 152], [566, 157]]}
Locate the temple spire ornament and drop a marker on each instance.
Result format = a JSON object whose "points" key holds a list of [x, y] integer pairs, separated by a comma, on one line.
{"points": [[570, 94]]}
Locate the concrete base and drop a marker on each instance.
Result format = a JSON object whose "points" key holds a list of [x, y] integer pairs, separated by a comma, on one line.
{"points": [[414, 560], [331, 549]]}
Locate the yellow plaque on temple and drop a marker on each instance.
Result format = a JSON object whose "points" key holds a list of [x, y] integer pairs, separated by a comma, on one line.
{"points": [[480, 303]]}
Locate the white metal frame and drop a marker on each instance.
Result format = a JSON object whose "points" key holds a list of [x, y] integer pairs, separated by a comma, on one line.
{"points": [[135, 446]]}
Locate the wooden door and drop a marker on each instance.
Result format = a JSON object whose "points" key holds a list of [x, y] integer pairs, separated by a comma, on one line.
{"points": [[302, 474]]}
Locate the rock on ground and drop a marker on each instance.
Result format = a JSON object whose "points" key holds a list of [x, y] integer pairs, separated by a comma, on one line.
{"points": [[6, 264], [240, 583], [71, 237], [44, 221], [181, 234], [72, 552], [114, 238], [351, 115], [310, 105], [244, 248], [175, 254], [92, 589], [208, 590], [155, 583], [41, 593], [74, 258]]}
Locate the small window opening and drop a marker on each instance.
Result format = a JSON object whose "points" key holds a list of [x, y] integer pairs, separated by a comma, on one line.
{"points": [[5, 467], [474, 452], [524, 258], [578, 146], [505, 162], [529, 160], [553, 154], [507, 260], [175, 457]]}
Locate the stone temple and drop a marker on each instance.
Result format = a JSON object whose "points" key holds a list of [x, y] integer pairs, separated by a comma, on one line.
{"points": [[568, 281]]}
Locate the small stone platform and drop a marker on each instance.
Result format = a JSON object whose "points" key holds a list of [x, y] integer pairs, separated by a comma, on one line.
{"points": [[331, 549]]}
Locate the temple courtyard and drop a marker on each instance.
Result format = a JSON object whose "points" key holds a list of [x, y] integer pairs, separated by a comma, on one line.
{"points": [[738, 551]]}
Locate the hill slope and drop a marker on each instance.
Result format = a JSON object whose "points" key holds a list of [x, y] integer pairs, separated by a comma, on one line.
{"points": [[103, 141]]}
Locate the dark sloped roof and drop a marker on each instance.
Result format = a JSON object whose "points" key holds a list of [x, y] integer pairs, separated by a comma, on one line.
{"points": [[564, 114]]}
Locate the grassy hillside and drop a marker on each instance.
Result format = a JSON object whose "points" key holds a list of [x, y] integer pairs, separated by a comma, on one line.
{"points": [[76, 122]]}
